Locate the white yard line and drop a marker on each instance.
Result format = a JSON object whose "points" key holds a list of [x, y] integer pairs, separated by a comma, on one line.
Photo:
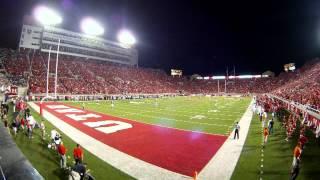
{"points": [[128, 164], [222, 165]]}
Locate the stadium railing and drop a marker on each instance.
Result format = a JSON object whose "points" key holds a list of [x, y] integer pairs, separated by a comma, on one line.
{"points": [[313, 112]]}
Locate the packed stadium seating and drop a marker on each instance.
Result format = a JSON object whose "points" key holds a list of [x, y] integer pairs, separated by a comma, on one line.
{"points": [[305, 87], [87, 76]]}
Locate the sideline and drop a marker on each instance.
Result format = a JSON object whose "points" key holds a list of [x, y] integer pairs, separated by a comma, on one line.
{"points": [[223, 163]]}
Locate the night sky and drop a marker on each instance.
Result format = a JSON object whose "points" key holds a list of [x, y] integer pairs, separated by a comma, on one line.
{"points": [[195, 36]]}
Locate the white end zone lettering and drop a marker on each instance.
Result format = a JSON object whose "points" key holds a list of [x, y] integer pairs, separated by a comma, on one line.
{"points": [[68, 110], [57, 106], [82, 117], [109, 129]]}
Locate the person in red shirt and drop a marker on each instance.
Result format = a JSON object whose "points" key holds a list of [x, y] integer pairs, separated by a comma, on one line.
{"points": [[303, 140], [78, 154], [62, 153], [22, 123], [296, 154], [265, 136]]}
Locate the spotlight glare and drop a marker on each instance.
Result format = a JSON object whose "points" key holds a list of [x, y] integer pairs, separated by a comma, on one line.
{"points": [[47, 16], [91, 27], [125, 37]]}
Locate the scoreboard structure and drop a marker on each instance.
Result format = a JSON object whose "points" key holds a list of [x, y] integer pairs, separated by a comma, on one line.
{"points": [[176, 72], [70, 43], [289, 67]]}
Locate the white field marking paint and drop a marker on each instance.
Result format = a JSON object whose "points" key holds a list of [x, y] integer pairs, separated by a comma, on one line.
{"points": [[170, 119], [127, 110], [82, 117], [109, 129], [68, 110], [198, 117], [136, 102], [213, 110], [57, 106], [201, 108], [181, 111]]}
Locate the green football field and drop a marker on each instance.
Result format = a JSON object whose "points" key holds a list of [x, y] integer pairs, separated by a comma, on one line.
{"points": [[215, 115]]}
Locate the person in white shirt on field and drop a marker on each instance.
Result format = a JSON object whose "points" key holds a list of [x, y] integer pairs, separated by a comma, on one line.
{"points": [[236, 130], [42, 129], [264, 119]]}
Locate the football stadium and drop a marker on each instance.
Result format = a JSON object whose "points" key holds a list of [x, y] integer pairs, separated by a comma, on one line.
{"points": [[77, 103]]}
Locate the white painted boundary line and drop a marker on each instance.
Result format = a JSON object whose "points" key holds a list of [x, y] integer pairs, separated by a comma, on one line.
{"points": [[124, 162], [222, 165]]}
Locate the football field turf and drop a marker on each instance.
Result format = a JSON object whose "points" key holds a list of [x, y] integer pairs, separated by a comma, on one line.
{"points": [[214, 115]]}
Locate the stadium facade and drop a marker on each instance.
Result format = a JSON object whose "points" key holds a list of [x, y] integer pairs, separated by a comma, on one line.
{"points": [[70, 43]]}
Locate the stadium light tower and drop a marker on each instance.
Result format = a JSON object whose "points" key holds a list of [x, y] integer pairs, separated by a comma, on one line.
{"points": [[48, 17], [91, 27], [126, 38]]}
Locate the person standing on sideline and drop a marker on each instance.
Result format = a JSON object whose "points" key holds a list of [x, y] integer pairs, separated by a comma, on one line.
{"points": [[236, 130], [22, 124], [43, 130], [270, 125], [15, 127], [296, 154], [302, 140], [112, 103], [6, 123], [265, 115], [14, 105], [260, 115], [295, 170], [62, 153], [265, 136], [78, 154], [264, 119], [273, 114]]}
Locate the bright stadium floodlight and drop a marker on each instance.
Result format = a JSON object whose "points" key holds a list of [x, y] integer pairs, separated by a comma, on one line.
{"points": [[47, 16], [125, 37], [91, 27]]}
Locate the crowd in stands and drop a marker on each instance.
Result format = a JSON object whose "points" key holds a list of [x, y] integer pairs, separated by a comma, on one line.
{"points": [[16, 64], [87, 76], [305, 87]]}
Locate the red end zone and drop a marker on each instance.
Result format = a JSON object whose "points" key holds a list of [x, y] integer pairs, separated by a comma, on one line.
{"points": [[176, 150]]}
